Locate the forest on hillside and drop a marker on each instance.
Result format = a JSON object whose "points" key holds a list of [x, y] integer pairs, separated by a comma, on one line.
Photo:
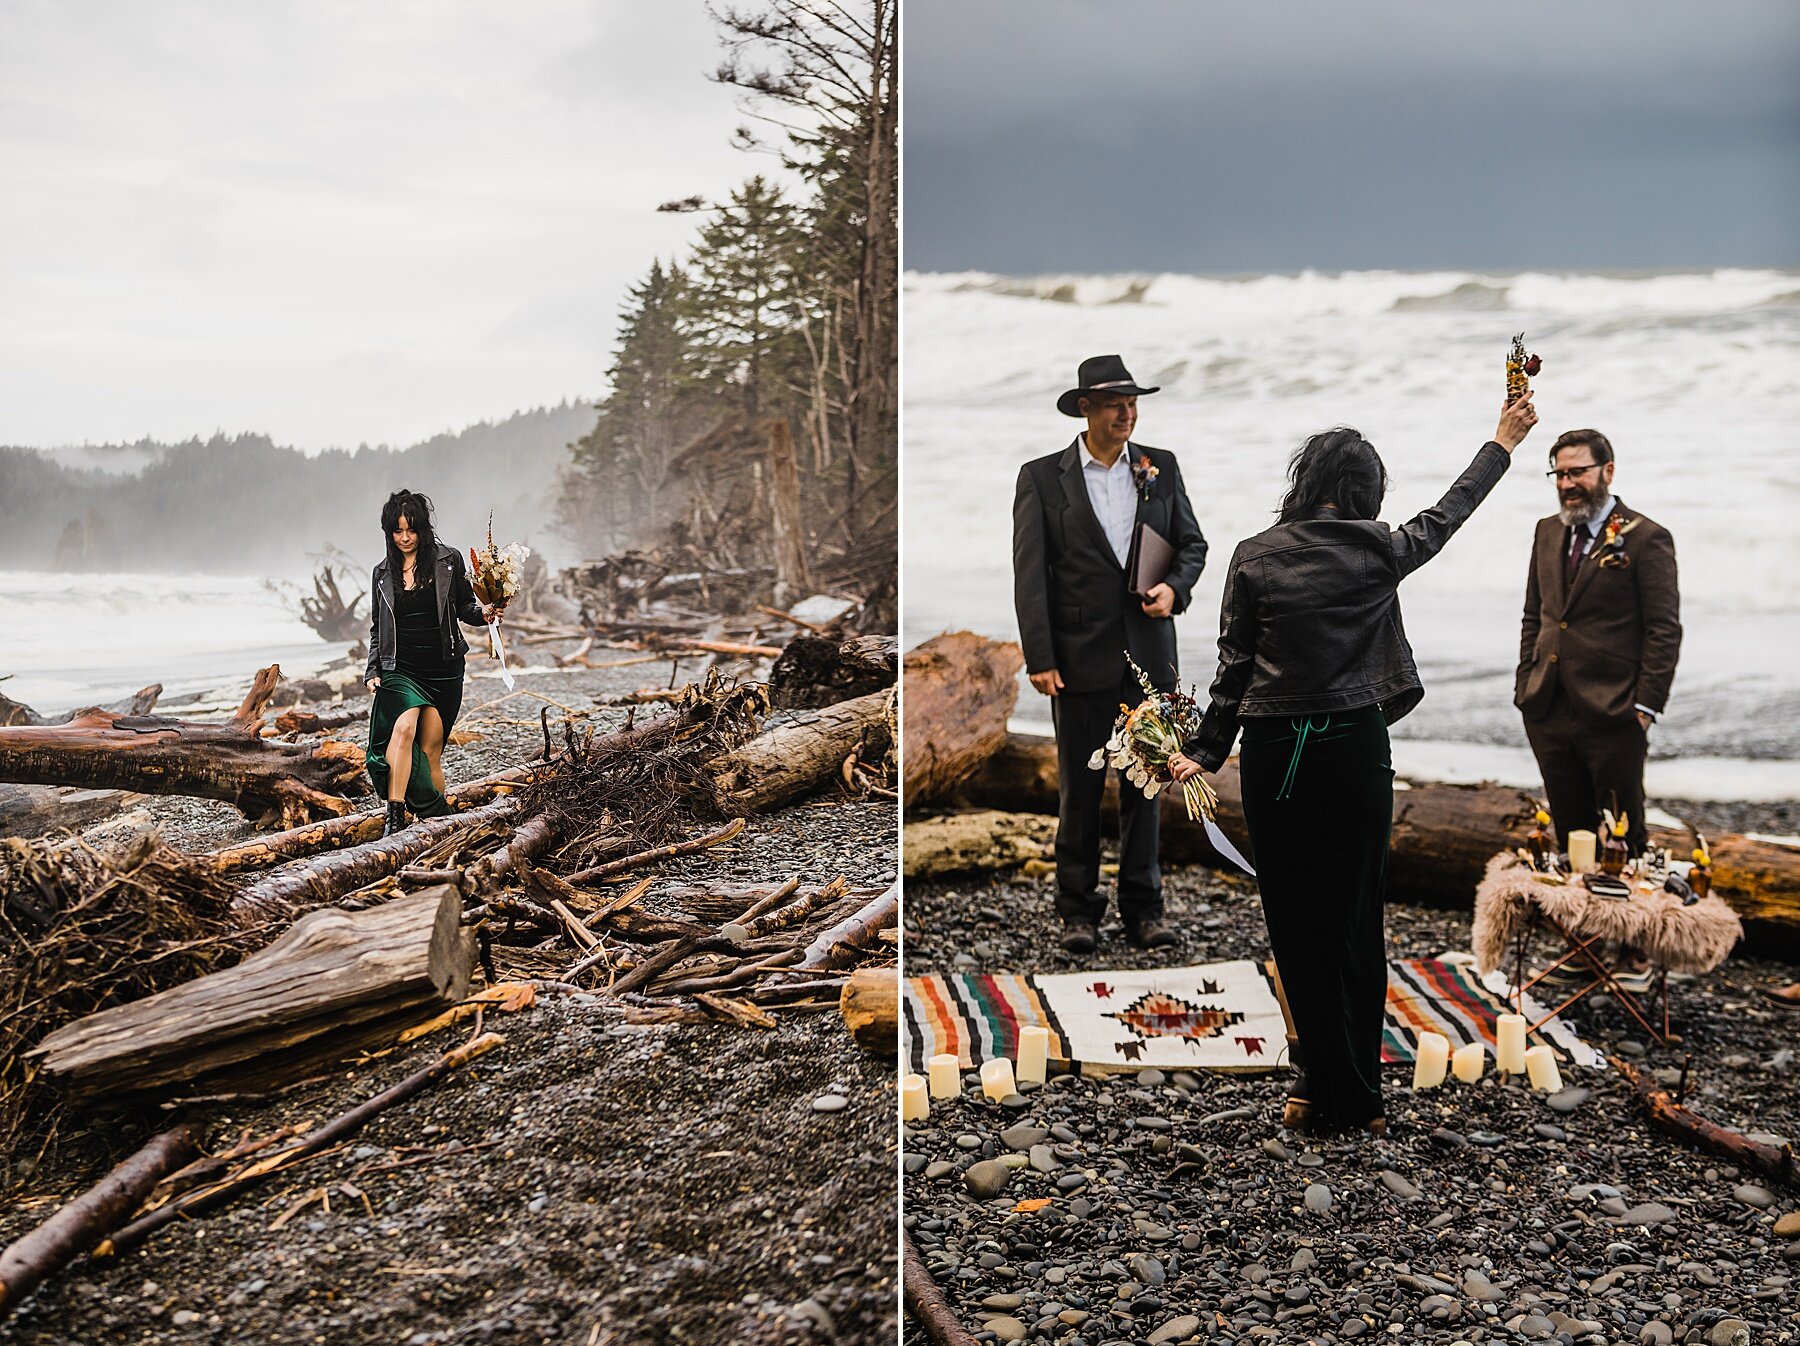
{"points": [[232, 503]]}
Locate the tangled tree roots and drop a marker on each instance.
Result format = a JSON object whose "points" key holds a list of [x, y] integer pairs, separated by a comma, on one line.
{"points": [[637, 782], [82, 929]]}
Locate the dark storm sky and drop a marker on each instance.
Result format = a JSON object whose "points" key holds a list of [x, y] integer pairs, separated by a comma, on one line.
{"points": [[1074, 135]]}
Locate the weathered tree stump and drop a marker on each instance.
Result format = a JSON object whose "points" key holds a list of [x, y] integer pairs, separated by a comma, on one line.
{"points": [[870, 1004]]}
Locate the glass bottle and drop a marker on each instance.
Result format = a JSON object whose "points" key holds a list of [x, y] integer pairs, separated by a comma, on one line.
{"points": [[1613, 850], [1541, 845]]}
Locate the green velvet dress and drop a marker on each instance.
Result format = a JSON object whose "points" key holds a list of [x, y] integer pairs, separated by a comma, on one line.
{"points": [[422, 677]]}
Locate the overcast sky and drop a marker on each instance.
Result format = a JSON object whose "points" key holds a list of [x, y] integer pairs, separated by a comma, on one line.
{"points": [[336, 221], [1073, 135]]}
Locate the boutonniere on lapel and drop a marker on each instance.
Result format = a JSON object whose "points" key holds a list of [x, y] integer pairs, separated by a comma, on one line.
{"points": [[1611, 554], [1144, 473]]}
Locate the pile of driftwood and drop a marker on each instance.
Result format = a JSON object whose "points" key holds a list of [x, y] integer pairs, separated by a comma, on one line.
{"points": [[134, 974], [978, 796]]}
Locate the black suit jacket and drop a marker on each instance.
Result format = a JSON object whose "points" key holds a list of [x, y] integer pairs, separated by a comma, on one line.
{"points": [[1075, 613]]}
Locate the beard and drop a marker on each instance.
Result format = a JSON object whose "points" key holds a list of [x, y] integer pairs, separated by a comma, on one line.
{"points": [[1574, 513]]}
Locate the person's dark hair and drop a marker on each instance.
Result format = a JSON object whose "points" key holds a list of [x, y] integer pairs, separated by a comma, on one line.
{"points": [[417, 510], [1592, 440], [1338, 467]]}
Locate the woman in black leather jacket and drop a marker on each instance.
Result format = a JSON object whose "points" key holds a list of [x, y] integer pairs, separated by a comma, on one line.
{"points": [[1313, 666], [416, 596]]}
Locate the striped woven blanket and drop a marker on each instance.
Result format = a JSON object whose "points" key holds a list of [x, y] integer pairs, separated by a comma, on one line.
{"points": [[1219, 1016]]}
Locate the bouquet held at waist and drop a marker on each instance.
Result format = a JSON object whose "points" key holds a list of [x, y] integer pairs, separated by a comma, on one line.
{"points": [[1143, 740], [496, 575]]}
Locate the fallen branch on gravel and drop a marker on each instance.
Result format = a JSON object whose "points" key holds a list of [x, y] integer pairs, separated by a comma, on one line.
{"points": [[928, 1306], [659, 854], [870, 1005], [339, 1128], [92, 1216], [802, 756], [154, 755], [1778, 1162]]}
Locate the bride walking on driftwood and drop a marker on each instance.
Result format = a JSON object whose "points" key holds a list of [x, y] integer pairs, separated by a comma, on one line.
{"points": [[420, 591]]}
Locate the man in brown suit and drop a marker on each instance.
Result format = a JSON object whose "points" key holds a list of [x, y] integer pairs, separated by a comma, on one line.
{"points": [[1597, 650]]}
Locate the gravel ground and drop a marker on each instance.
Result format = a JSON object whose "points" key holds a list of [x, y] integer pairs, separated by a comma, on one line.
{"points": [[1178, 1209], [595, 1180]]}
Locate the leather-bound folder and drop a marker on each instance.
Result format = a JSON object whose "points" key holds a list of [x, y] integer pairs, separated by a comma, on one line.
{"points": [[1147, 563]]}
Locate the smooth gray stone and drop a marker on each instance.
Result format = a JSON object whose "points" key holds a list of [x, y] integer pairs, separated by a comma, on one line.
{"points": [[1229, 1115], [1648, 1212], [1043, 1160], [1002, 1303], [939, 1168], [830, 1103], [1023, 1136], [1567, 1100], [1752, 1195], [1276, 1150], [1317, 1198], [1176, 1329], [1006, 1327], [1399, 1186], [986, 1179]]}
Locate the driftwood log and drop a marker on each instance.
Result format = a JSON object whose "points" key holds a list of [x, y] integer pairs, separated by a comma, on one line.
{"points": [[978, 842], [93, 1216], [353, 829], [320, 879], [796, 759], [1443, 837], [33, 810], [140, 702], [960, 692], [332, 983], [819, 670], [313, 722], [154, 755], [870, 1004], [844, 942]]}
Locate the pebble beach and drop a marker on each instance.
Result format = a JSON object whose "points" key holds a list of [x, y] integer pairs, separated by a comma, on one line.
{"points": [[1169, 1207]]}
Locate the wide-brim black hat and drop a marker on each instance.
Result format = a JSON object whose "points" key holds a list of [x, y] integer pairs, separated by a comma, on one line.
{"points": [[1100, 374]]}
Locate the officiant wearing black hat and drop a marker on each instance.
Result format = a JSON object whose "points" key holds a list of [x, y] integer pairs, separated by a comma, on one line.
{"points": [[1090, 522]]}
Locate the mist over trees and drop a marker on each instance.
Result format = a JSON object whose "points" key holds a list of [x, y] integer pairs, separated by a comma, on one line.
{"points": [[784, 312], [242, 503]]}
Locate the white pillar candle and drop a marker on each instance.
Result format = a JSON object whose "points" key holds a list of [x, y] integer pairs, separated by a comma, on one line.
{"points": [[1581, 853], [946, 1077], [1541, 1062], [997, 1079], [1433, 1056], [1034, 1053], [1467, 1062], [914, 1106], [1509, 1049]]}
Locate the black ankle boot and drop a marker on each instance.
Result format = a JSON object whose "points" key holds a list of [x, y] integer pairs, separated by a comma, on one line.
{"points": [[396, 818]]}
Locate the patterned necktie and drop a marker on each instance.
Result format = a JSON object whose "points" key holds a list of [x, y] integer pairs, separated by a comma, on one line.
{"points": [[1578, 539]]}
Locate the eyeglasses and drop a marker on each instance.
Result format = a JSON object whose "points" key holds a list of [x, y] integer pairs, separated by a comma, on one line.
{"points": [[1567, 473]]}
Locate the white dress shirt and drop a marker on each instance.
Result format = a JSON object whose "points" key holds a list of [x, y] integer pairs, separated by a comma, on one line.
{"points": [[1113, 494]]}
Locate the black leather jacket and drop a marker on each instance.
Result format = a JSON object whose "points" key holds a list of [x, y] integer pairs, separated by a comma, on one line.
{"points": [[1310, 621], [454, 595]]}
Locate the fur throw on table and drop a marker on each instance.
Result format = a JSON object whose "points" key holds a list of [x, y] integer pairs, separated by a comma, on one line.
{"points": [[1681, 939]]}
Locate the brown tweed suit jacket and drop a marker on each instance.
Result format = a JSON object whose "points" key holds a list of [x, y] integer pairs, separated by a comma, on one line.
{"points": [[1610, 639]]}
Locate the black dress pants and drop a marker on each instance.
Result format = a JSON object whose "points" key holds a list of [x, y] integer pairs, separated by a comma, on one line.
{"points": [[1588, 767], [1084, 721], [1319, 801]]}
